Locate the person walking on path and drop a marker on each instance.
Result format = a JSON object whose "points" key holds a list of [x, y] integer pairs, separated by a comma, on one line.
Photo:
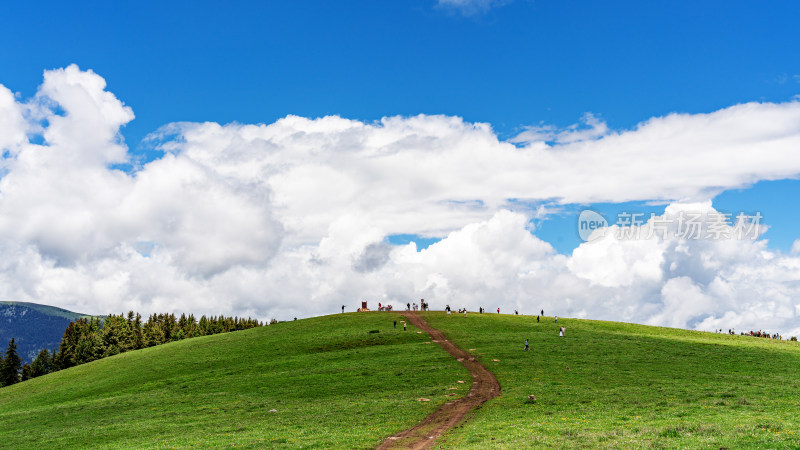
{"points": [[408, 306], [526, 344]]}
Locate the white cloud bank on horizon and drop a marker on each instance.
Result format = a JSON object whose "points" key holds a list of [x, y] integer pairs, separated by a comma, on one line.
{"points": [[291, 218]]}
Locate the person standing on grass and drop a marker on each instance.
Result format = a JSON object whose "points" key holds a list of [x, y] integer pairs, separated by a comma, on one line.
{"points": [[342, 309], [498, 310], [526, 344], [556, 319], [537, 319], [404, 325], [542, 312], [395, 324]]}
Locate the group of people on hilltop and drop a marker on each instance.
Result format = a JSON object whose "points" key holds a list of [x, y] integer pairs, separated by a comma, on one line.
{"points": [[423, 306], [759, 333], [763, 334]]}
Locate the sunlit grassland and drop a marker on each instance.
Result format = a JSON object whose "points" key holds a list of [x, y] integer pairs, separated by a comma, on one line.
{"points": [[331, 382], [608, 384]]}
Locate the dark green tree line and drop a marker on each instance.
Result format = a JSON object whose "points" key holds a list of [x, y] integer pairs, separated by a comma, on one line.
{"points": [[86, 340]]}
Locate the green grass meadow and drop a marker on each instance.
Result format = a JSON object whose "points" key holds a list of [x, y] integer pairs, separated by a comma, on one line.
{"points": [[336, 384], [628, 386], [332, 382]]}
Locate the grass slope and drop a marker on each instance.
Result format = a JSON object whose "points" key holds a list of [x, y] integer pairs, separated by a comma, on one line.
{"points": [[332, 382], [627, 386]]}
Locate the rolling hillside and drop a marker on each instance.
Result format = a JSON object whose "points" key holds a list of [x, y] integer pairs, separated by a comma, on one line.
{"points": [[34, 327], [607, 384], [335, 382], [330, 381]]}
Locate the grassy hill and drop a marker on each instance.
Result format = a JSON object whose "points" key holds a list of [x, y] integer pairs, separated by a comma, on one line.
{"points": [[331, 382], [33, 326], [335, 384], [607, 384]]}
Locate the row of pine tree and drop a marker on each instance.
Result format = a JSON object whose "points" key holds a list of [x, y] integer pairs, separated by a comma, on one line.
{"points": [[86, 340]]}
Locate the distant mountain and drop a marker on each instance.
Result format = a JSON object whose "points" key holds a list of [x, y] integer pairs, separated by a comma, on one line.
{"points": [[34, 327]]}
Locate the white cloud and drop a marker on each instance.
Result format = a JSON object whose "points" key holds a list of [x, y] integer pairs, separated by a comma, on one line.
{"points": [[591, 128], [291, 218], [682, 300], [12, 123], [796, 247], [472, 7], [695, 283], [451, 172], [612, 263]]}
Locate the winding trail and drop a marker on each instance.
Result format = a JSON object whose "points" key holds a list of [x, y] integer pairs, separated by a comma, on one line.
{"points": [[484, 387]]}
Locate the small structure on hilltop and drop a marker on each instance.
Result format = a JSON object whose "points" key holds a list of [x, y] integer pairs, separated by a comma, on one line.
{"points": [[363, 307]]}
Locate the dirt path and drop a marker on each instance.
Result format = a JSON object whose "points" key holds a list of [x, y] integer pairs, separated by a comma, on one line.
{"points": [[484, 387]]}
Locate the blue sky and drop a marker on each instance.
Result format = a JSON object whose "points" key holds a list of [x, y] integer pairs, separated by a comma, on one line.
{"points": [[300, 146], [518, 64]]}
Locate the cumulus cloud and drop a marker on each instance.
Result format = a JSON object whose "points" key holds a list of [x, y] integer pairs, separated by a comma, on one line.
{"points": [[718, 276], [293, 218], [12, 124], [79, 227]]}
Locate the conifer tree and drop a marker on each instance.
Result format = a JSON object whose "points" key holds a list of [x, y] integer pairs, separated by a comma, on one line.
{"points": [[27, 372], [42, 365], [203, 326], [89, 346], [138, 335], [9, 371], [116, 335]]}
